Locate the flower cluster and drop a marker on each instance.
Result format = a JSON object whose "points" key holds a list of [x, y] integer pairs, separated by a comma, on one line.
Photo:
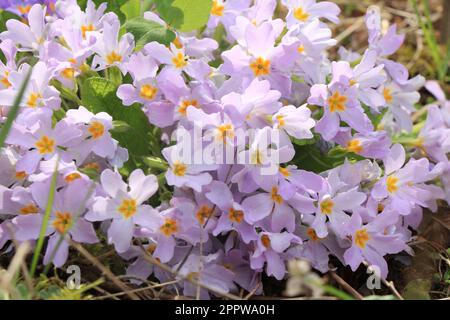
{"points": [[225, 222]]}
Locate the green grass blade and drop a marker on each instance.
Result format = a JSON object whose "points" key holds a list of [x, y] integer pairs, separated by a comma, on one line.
{"points": [[45, 220], [430, 39], [12, 114]]}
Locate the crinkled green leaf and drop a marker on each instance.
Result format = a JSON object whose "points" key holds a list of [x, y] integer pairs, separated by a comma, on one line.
{"points": [[145, 31], [184, 15]]}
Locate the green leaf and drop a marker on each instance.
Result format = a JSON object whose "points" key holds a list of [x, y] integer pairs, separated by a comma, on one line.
{"points": [[5, 16], [145, 31], [184, 15], [131, 9], [99, 94]]}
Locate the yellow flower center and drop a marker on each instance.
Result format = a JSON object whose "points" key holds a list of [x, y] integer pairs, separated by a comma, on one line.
{"points": [[235, 215], [300, 14], [29, 209], [86, 28], [179, 60], [337, 102], [148, 92], [24, 9], [361, 238], [301, 49], [275, 196], [92, 166], [33, 99], [265, 240], [387, 93], [96, 129], [326, 206], [203, 213], [353, 82], [185, 104], [20, 175], [169, 227], [72, 177], [391, 184], [113, 57], [62, 221], [68, 73], [281, 121], [260, 67], [45, 145], [225, 131], [128, 208], [312, 234], [217, 8], [4, 80], [354, 146], [285, 172], [179, 169]]}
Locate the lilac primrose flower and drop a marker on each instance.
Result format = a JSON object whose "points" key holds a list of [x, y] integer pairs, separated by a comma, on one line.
{"points": [[233, 216], [17, 201], [434, 138], [340, 103], [297, 122], [307, 42], [269, 249], [206, 270], [254, 105], [405, 186], [41, 141], [89, 21], [9, 50], [401, 102], [332, 202], [270, 205], [110, 51], [373, 145], [366, 77], [38, 94], [173, 57], [124, 205], [18, 7], [317, 250], [30, 37], [259, 58], [8, 175], [66, 219], [303, 11], [176, 222], [370, 242], [144, 89], [182, 174], [386, 44], [97, 138], [225, 12]]}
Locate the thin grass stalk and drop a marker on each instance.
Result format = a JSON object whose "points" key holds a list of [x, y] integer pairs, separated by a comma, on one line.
{"points": [[429, 38], [12, 114], [45, 220]]}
